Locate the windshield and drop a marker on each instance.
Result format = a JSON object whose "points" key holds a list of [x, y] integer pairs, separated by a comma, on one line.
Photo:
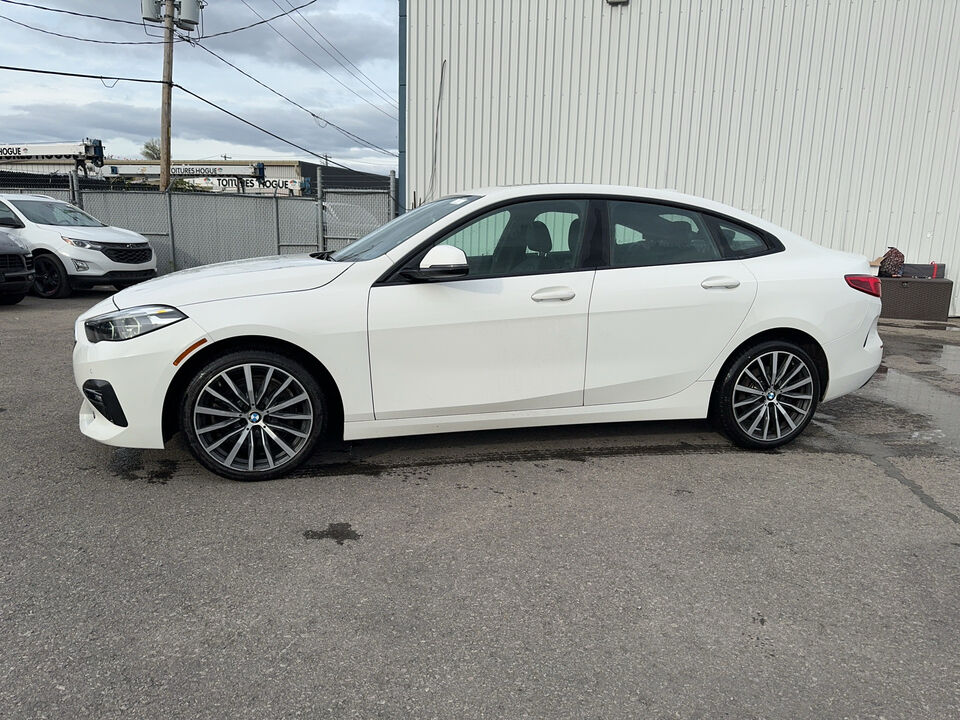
{"points": [[386, 238], [50, 212]]}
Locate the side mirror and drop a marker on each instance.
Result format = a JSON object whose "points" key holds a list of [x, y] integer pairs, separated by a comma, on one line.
{"points": [[10, 222], [442, 262]]}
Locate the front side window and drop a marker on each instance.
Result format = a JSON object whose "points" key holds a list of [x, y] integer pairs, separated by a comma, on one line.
{"points": [[523, 239], [8, 214], [49, 212], [650, 234]]}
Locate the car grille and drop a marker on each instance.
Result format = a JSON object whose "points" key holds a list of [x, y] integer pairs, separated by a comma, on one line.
{"points": [[13, 263], [131, 254]]}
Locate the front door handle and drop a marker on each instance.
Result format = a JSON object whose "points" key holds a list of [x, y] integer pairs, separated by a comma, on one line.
{"points": [[720, 282], [560, 294]]}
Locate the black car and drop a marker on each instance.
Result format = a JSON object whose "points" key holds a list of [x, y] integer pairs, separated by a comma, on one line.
{"points": [[16, 270]]}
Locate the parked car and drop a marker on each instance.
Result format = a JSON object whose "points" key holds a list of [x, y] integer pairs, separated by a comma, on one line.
{"points": [[72, 249], [16, 269], [513, 307]]}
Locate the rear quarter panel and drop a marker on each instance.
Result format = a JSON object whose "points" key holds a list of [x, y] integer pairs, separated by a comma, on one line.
{"points": [[803, 288]]}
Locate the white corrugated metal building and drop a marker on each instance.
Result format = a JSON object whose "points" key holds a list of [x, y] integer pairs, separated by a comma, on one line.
{"points": [[837, 119]]}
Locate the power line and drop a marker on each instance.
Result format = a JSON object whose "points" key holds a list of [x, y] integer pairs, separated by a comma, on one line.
{"points": [[71, 12], [261, 22], [131, 22], [356, 72], [80, 39], [343, 131], [202, 99], [337, 50], [332, 76]]}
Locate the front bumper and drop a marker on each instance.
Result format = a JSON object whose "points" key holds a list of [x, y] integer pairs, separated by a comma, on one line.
{"points": [[100, 269], [109, 278], [15, 283], [139, 372]]}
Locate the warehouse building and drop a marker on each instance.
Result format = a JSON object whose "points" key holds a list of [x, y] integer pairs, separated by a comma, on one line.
{"points": [[837, 119], [254, 177]]}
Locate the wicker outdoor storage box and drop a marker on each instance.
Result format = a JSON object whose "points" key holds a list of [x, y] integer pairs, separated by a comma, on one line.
{"points": [[915, 299]]}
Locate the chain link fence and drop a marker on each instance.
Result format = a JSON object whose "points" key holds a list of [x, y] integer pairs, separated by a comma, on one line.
{"points": [[191, 229], [143, 212], [350, 214]]}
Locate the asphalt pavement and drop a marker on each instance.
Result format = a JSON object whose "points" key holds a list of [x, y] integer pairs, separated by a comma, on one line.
{"points": [[645, 570]]}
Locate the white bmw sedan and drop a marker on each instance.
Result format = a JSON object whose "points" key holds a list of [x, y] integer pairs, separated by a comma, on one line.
{"points": [[513, 307]]}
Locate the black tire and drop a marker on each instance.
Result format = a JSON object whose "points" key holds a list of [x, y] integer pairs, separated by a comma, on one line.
{"points": [[51, 279], [211, 435], [765, 415], [11, 299]]}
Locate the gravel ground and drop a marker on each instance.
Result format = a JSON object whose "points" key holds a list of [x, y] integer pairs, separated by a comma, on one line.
{"points": [[630, 570]]}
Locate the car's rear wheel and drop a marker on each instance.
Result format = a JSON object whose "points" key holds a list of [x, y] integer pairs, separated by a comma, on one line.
{"points": [[253, 415], [51, 279], [768, 395], [11, 299]]}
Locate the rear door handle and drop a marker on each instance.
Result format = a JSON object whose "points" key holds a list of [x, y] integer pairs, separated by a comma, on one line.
{"points": [[560, 294], [712, 283]]}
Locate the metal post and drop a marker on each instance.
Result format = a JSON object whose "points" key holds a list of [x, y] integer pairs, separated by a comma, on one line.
{"points": [[393, 200], [173, 246], [321, 235], [276, 217], [166, 96], [75, 196]]}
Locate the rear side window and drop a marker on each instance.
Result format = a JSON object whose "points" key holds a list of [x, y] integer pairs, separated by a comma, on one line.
{"points": [[739, 241], [649, 234]]}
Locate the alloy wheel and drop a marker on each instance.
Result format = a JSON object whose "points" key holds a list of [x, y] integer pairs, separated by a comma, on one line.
{"points": [[773, 396], [46, 277], [253, 417]]}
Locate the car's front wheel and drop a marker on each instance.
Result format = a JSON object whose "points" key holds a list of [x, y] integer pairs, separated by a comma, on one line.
{"points": [[51, 279], [253, 415], [768, 395]]}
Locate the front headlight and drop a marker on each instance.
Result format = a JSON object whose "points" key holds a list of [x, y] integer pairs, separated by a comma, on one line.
{"points": [[85, 244], [130, 323]]}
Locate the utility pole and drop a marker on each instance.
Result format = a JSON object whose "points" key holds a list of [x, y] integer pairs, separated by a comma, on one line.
{"points": [[168, 9]]}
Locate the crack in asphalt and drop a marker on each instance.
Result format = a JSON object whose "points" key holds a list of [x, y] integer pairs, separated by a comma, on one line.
{"points": [[880, 455]]}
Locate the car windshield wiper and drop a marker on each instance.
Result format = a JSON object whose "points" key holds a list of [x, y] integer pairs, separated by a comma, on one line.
{"points": [[324, 255]]}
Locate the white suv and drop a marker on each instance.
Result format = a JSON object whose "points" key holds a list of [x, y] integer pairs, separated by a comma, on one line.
{"points": [[72, 249]]}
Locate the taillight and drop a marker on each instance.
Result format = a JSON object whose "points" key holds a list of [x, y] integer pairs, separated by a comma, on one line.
{"points": [[864, 283]]}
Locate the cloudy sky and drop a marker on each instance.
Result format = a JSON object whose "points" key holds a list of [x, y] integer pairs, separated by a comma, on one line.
{"points": [[292, 58]]}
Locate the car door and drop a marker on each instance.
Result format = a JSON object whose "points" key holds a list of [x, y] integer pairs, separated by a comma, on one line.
{"points": [[509, 336], [665, 306]]}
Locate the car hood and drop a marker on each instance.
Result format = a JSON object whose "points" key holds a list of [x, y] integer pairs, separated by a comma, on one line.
{"points": [[97, 234], [239, 278]]}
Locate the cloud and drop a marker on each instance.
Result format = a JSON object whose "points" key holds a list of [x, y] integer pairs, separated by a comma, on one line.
{"points": [[194, 122], [51, 108]]}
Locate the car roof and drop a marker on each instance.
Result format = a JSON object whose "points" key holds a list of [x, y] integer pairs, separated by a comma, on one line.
{"points": [[29, 196], [670, 196]]}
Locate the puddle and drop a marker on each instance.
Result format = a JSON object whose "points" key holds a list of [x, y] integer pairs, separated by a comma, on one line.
{"points": [[921, 398], [335, 531], [950, 359]]}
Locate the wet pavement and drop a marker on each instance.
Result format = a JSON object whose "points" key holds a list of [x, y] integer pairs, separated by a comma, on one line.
{"points": [[629, 570]]}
